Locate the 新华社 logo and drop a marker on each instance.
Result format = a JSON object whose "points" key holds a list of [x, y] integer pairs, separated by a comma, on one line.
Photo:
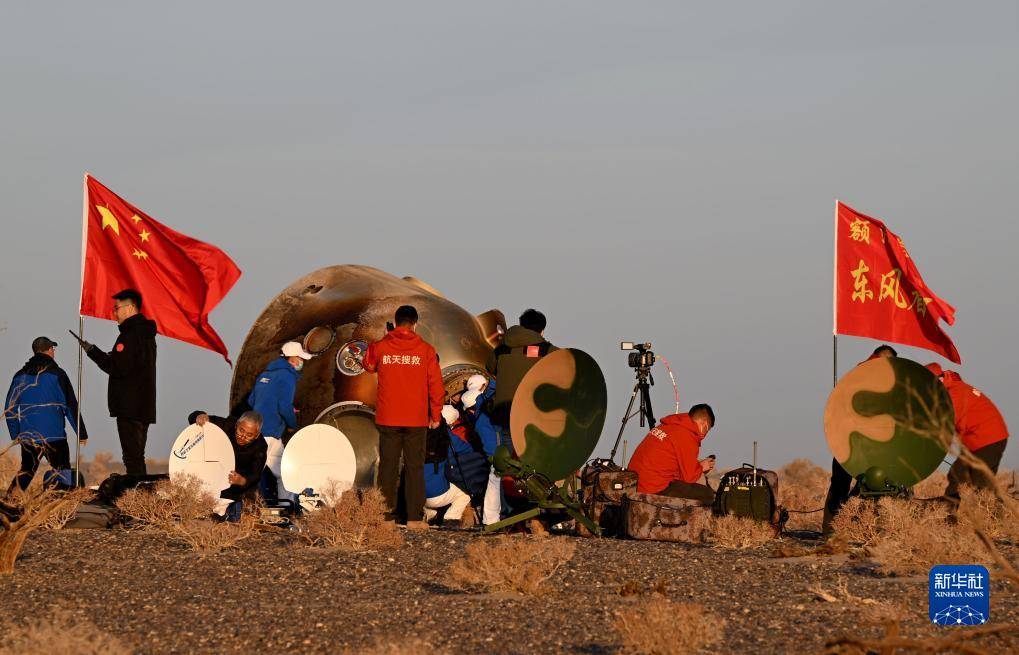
{"points": [[959, 594]]}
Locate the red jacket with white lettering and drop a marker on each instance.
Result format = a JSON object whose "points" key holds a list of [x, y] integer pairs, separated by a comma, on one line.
{"points": [[410, 382], [977, 421], [668, 453]]}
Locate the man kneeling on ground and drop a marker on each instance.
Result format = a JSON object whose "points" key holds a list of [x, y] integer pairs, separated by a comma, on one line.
{"points": [[666, 461], [250, 447], [439, 492]]}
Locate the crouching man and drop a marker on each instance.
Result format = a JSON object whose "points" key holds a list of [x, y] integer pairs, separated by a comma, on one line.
{"points": [[981, 429], [666, 461], [249, 446], [439, 492]]}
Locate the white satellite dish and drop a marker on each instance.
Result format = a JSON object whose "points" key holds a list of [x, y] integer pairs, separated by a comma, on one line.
{"points": [[317, 456], [204, 452]]}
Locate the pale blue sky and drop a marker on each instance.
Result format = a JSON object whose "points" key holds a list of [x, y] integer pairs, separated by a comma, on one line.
{"points": [[659, 171]]}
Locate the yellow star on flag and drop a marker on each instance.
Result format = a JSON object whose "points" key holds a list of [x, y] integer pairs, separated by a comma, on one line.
{"points": [[140, 254], [109, 220], [136, 219], [145, 234]]}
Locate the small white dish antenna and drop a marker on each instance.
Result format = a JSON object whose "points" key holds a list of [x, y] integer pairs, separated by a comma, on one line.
{"points": [[316, 457], [205, 453]]}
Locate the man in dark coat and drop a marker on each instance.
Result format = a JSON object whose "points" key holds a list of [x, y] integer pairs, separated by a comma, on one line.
{"points": [[40, 399], [522, 347], [249, 446], [131, 365]]}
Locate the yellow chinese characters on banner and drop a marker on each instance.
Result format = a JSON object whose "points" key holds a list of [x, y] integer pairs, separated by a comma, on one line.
{"points": [[889, 288], [859, 230]]}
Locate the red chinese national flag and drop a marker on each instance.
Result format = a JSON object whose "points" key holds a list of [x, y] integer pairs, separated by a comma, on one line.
{"points": [[879, 293], [180, 278]]}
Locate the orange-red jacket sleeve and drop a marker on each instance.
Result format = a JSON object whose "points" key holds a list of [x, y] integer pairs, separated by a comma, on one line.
{"points": [[370, 361], [686, 455], [436, 389]]}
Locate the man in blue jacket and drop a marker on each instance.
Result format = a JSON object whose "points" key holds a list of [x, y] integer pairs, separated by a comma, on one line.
{"points": [[40, 399], [273, 398]]}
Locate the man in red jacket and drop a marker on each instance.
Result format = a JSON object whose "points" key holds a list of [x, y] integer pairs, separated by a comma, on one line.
{"points": [[980, 427], [410, 397], [666, 461]]}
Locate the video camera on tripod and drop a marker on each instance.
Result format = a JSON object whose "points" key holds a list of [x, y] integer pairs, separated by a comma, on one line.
{"points": [[641, 358]]}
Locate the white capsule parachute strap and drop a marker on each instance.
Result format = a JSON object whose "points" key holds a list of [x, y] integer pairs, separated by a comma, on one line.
{"points": [[673, 378]]}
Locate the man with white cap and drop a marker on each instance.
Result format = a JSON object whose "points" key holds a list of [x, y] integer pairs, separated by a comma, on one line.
{"points": [[474, 401], [273, 397], [439, 492]]}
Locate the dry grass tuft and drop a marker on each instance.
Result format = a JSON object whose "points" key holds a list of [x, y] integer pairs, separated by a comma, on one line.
{"points": [[352, 520], [167, 503], [857, 522], [514, 564], [908, 537], [59, 632], [411, 646], [802, 486], [210, 537], [932, 486], [739, 533], [981, 508], [67, 510], [658, 626]]}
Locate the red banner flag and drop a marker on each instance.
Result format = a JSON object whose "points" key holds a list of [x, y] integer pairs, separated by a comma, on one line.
{"points": [[181, 279], [879, 293]]}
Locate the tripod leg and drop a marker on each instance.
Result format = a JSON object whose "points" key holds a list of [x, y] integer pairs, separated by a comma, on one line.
{"points": [[626, 417]]}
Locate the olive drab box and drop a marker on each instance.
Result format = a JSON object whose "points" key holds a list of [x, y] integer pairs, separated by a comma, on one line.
{"points": [[662, 518], [749, 492], [602, 493]]}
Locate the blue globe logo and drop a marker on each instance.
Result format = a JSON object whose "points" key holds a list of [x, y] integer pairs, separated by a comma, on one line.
{"points": [[959, 615]]}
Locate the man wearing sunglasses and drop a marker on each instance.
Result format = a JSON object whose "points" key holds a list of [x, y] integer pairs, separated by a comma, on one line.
{"points": [[131, 365]]}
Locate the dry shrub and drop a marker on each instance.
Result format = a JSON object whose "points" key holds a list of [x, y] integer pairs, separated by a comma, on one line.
{"points": [[58, 632], [982, 508], [100, 467], [659, 626], [33, 509], [167, 503], [410, 646], [738, 532], [907, 537], [351, 520], [857, 521], [931, 487], [67, 511], [514, 564], [211, 537], [802, 486]]}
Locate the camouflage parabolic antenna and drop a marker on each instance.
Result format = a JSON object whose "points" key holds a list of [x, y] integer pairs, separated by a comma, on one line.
{"points": [[886, 413], [558, 413]]}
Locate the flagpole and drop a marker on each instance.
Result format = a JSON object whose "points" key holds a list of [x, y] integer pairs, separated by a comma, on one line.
{"points": [[835, 299], [81, 328]]}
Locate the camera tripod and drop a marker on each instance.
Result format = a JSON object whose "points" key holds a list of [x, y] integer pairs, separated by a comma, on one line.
{"points": [[643, 387]]}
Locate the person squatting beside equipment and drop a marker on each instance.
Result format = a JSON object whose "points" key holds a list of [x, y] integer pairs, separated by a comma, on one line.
{"points": [[980, 427], [841, 482], [410, 399], [521, 348], [250, 448], [439, 492], [131, 365], [40, 399], [666, 461], [272, 397]]}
